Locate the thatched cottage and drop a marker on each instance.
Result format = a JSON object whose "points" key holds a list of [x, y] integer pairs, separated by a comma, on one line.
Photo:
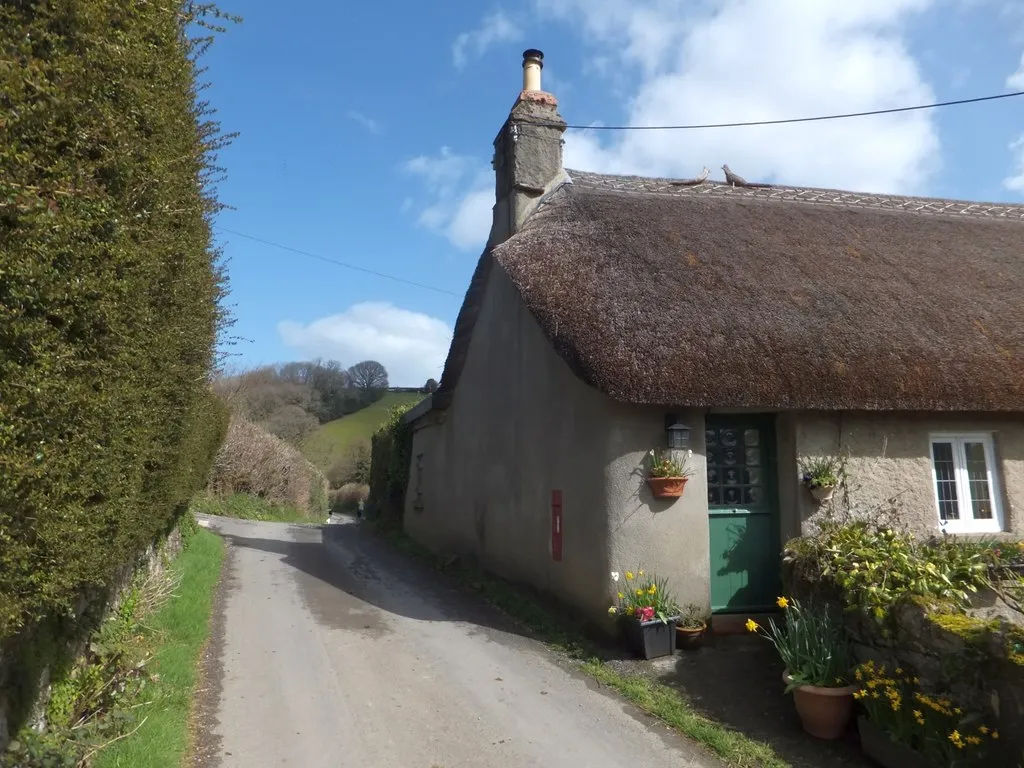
{"points": [[777, 323]]}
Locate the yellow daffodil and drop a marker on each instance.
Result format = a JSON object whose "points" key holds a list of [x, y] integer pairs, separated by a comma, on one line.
{"points": [[956, 739], [621, 596], [639, 592], [782, 602], [652, 590], [983, 730], [629, 575], [752, 626], [973, 740], [995, 735], [612, 611], [640, 572], [917, 713]]}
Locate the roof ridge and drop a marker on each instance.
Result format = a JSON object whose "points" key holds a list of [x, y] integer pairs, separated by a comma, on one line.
{"points": [[808, 195]]}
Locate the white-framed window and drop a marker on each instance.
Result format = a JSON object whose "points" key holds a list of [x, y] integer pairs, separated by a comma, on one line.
{"points": [[966, 482]]}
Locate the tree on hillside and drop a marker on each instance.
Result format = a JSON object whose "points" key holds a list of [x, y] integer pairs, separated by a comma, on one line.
{"points": [[430, 387], [368, 375]]}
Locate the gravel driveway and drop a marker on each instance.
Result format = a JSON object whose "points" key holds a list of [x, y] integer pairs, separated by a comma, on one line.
{"points": [[330, 649]]}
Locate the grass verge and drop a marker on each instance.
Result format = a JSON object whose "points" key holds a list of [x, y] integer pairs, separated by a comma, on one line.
{"points": [[177, 632], [244, 507], [661, 701]]}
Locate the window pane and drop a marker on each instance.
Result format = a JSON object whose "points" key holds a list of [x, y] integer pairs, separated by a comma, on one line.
{"points": [[977, 476], [945, 480]]}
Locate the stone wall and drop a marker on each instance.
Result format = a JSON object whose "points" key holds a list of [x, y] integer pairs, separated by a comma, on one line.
{"points": [[26, 660], [977, 658]]}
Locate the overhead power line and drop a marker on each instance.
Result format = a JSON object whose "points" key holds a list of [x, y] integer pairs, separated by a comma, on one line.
{"points": [[817, 118], [336, 262]]}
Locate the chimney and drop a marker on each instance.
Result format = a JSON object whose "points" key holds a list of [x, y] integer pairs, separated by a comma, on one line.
{"points": [[527, 152]]}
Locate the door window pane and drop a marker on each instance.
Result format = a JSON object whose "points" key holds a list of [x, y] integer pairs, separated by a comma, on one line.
{"points": [[945, 480], [977, 478], [735, 476]]}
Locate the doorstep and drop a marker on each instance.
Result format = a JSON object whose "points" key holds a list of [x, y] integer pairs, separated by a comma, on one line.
{"points": [[736, 623]]}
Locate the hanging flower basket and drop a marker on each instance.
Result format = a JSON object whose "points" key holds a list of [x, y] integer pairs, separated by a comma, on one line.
{"points": [[822, 493], [667, 487]]}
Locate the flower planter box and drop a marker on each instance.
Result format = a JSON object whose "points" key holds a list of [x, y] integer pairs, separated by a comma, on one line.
{"points": [[667, 487], [888, 753], [651, 639]]}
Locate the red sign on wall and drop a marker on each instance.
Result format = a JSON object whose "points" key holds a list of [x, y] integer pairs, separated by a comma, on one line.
{"points": [[556, 526]]}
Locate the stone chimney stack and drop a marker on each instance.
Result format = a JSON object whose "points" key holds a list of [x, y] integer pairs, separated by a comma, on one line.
{"points": [[527, 152]]}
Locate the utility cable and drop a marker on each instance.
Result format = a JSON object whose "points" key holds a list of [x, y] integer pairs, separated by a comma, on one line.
{"points": [[336, 262], [817, 118]]}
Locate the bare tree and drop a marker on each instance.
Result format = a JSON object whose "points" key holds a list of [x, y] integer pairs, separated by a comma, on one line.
{"points": [[368, 375]]}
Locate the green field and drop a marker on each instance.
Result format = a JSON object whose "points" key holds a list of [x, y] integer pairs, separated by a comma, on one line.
{"points": [[331, 441]]}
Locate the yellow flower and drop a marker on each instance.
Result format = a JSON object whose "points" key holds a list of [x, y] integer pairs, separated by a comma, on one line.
{"points": [[752, 626], [653, 589], [917, 713], [782, 602], [621, 596], [983, 730], [973, 740], [874, 695], [629, 575], [858, 675], [859, 694], [640, 572], [995, 735], [639, 592], [955, 738], [612, 611]]}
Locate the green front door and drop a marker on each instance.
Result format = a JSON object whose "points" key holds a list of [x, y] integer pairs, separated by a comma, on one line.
{"points": [[743, 511]]}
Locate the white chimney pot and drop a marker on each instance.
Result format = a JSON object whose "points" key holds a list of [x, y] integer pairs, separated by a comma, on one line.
{"points": [[533, 62]]}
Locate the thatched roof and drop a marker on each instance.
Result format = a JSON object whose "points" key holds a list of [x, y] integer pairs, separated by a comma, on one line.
{"points": [[771, 298]]}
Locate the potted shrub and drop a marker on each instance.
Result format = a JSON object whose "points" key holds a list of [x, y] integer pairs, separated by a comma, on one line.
{"points": [[813, 646], [647, 612], [691, 628], [821, 475], [667, 476]]}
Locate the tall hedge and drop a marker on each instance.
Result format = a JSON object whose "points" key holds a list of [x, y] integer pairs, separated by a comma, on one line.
{"points": [[109, 291]]}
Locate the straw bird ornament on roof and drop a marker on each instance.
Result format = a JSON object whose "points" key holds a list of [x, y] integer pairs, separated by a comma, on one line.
{"points": [[738, 181], [700, 179]]}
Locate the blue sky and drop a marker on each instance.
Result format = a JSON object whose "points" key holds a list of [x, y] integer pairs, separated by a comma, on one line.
{"points": [[366, 133]]}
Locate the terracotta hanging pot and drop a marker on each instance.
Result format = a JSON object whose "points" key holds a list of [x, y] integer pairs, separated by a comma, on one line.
{"points": [[823, 493], [667, 487]]}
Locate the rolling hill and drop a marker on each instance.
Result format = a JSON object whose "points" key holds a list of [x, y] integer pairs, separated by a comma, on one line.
{"points": [[330, 442]]}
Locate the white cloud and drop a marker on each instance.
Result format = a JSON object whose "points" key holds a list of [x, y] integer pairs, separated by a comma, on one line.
{"points": [[1016, 80], [495, 28], [411, 345], [460, 196], [367, 122], [746, 60], [1016, 182]]}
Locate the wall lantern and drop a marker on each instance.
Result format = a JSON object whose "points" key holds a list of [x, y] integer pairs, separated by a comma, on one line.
{"points": [[678, 434]]}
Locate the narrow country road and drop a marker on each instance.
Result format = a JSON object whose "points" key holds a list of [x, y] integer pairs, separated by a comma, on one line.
{"points": [[330, 649]]}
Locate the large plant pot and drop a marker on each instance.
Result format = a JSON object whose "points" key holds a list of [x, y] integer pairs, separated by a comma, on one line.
{"points": [[651, 639], [824, 712], [877, 745], [667, 487], [689, 638], [823, 493]]}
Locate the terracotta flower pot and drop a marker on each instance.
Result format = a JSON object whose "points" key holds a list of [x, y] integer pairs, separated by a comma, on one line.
{"points": [[823, 492], [690, 637], [667, 487], [824, 712]]}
